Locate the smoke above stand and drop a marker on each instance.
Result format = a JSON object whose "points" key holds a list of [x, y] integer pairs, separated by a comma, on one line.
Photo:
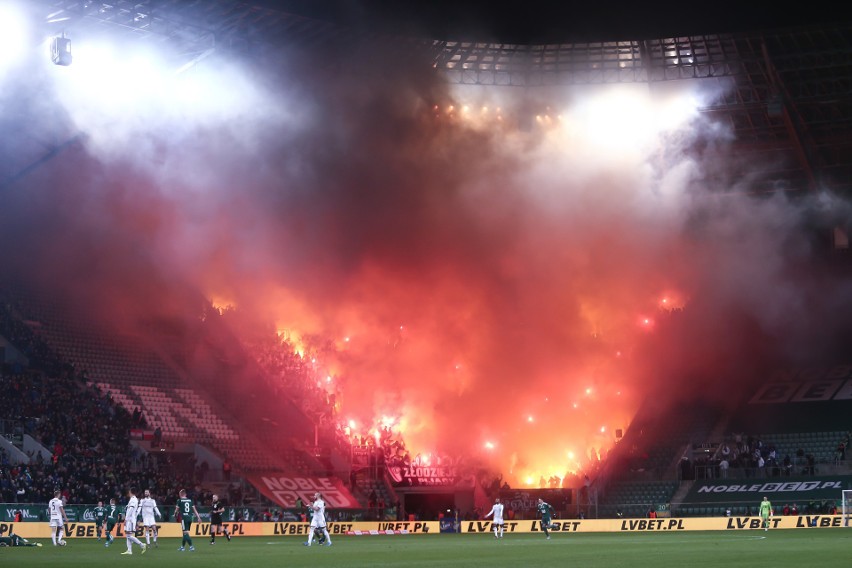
{"points": [[499, 274]]}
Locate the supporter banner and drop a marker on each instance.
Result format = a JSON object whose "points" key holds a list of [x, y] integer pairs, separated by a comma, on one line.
{"points": [[523, 502], [361, 455], [173, 530], [140, 435], [787, 488], [283, 490], [418, 473]]}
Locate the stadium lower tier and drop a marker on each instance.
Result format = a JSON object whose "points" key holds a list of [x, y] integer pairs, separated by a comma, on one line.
{"points": [[87, 530]]}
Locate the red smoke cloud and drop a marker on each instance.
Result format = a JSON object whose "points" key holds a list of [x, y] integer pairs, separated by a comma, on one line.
{"points": [[481, 282]]}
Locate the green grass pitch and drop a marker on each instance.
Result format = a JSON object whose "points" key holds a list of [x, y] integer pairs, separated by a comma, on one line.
{"points": [[822, 548]]}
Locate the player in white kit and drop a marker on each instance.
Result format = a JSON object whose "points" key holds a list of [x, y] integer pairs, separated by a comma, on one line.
{"points": [[149, 508], [58, 518], [318, 520], [497, 511], [130, 514]]}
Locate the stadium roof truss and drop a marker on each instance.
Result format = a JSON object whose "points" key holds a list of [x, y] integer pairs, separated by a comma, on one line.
{"points": [[787, 91], [787, 86]]}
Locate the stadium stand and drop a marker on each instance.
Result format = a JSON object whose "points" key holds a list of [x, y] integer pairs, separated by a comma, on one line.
{"points": [[137, 376], [156, 380], [652, 468], [85, 436], [636, 499], [643, 470]]}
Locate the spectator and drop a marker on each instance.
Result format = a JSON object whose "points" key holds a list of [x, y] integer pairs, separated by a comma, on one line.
{"points": [[788, 465], [723, 468], [810, 469]]}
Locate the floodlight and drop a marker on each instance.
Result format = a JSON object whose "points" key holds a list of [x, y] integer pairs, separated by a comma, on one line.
{"points": [[14, 32], [60, 50]]}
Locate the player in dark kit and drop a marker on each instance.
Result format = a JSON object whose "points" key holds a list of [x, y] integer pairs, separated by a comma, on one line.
{"points": [[99, 514], [216, 510], [14, 540], [546, 512], [113, 516], [185, 508]]}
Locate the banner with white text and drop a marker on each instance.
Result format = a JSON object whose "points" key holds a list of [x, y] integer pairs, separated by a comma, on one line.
{"points": [[284, 489], [777, 489]]}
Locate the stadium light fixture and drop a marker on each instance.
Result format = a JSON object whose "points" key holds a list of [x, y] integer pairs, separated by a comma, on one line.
{"points": [[60, 50]]}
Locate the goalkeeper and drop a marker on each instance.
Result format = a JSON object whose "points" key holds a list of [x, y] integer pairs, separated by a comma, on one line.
{"points": [[765, 512]]}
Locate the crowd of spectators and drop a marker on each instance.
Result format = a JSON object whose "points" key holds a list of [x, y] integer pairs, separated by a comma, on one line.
{"points": [[87, 437], [823, 507], [814, 507], [296, 377], [751, 455], [754, 457], [300, 377], [85, 434]]}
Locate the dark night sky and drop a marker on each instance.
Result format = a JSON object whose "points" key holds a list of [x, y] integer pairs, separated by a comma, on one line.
{"points": [[542, 21]]}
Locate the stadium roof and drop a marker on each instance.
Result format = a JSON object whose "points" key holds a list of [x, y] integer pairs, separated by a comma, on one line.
{"points": [[788, 89], [556, 21], [312, 22]]}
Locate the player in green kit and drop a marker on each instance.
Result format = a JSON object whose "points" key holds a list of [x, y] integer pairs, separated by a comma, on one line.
{"points": [[765, 512], [99, 513], [113, 516], [183, 510], [546, 512], [14, 540]]}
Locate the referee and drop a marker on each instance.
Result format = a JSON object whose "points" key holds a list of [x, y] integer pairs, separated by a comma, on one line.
{"points": [[216, 510]]}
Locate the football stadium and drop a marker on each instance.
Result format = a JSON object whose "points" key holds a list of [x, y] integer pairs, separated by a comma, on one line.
{"points": [[424, 291]]}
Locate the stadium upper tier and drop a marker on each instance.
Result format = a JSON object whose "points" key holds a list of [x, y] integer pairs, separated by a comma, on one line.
{"points": [[783, 93]]}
